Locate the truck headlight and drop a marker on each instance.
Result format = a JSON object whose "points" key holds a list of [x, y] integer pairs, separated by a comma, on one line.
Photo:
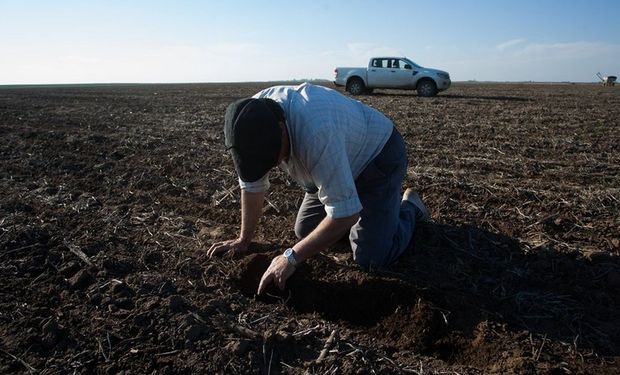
{"points": [[443, 75]]}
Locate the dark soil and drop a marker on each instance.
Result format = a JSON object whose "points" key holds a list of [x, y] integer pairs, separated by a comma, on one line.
{"points": [[111, 195]]}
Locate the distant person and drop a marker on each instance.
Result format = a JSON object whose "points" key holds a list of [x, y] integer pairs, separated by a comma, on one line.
{"points": [[348, 157]]}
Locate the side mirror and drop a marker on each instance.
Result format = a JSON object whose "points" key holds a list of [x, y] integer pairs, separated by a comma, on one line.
{"points": [[407, 66]]}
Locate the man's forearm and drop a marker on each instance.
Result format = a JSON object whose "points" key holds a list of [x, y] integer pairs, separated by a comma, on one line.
{"points": [[324, 235], [251, 212]]}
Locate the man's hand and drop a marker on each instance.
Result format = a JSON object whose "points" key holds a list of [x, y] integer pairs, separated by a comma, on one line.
{"points": [[251, 211], [279, 271], [235, 246]]}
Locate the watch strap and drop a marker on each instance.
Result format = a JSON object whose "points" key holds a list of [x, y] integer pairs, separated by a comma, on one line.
{"points": [[289, 254]]}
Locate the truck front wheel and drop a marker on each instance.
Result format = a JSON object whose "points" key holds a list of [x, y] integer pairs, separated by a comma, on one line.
{"points": [[356, 86], [426, 88]]}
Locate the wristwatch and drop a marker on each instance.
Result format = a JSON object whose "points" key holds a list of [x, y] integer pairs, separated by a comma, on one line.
{"points": [[289, 254]]}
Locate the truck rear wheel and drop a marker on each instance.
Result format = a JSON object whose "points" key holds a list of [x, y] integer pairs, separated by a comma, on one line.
{"points": [[356, 86], [426, 88]]}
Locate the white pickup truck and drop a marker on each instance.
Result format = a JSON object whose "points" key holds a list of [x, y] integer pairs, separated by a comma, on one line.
{"points": [[392, 73]]}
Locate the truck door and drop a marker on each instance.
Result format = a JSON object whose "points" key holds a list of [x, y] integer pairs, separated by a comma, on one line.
{"points": [[399, 77], [379, 73]]}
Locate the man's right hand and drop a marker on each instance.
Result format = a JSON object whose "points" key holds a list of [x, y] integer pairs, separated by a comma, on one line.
{"points": [[251, 211], [236, 246]]}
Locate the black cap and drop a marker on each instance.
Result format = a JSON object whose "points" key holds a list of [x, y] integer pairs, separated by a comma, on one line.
{"points": [[253, 136]]}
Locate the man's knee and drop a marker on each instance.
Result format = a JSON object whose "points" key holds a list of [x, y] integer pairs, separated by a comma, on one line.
{"points": [[370, 250], [368, 263], [302, 229]]}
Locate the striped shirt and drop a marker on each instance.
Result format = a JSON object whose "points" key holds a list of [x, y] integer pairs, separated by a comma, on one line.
{"points": [[332, 139]]}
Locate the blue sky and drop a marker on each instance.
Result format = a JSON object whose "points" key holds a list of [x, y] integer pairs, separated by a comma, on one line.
{"points": [[227, 41]]}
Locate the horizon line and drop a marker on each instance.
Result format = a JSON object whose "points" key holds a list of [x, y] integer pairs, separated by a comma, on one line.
{"points": [[15, 85]]}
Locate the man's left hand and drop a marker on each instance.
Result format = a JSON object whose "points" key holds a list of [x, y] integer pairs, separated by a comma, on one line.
{"points": [[278, 272]]}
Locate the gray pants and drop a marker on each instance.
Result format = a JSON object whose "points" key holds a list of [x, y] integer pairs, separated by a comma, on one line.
{"points": [[386, 225]]}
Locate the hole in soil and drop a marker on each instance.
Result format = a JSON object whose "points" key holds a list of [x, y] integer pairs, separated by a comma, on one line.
{"points": [[445, 350], [358, 302]]}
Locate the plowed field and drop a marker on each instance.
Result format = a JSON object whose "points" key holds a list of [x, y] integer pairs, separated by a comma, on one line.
{"points": [[111, 195]]}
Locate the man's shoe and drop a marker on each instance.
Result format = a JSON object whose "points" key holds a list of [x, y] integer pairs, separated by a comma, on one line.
{"points": [[412, 197]]}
